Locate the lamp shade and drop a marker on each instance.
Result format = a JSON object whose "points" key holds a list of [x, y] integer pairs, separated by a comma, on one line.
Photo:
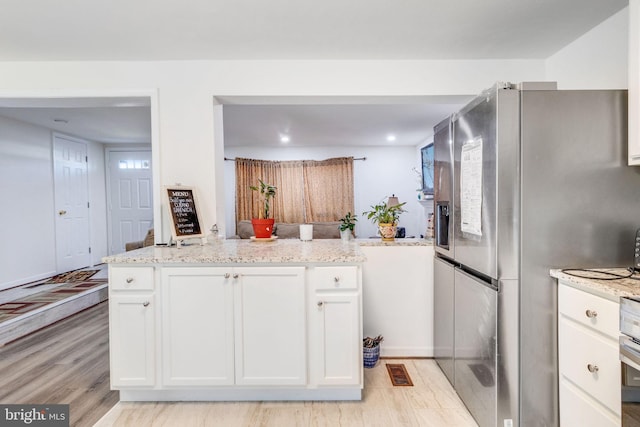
{"points": [[393, 201]]}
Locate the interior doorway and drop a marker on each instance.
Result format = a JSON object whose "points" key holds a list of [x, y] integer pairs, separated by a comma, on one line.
{"points": [[73, 245], [130, 193]]}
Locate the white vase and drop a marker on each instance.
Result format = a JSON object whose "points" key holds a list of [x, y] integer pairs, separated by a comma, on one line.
{"points": [[345, 235]]}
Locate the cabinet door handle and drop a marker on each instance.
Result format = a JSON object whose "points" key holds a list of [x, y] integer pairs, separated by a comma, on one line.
{"points": [[129, 279], [227, 275], [320, 304], [592, 368], [145, 304], [235, 276], [591, 314]]}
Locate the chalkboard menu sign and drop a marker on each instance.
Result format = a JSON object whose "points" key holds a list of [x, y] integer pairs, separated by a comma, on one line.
{"points": [[183, 212]]}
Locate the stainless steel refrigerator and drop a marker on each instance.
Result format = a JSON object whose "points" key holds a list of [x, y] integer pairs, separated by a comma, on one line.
{"points": [[539, 181]]}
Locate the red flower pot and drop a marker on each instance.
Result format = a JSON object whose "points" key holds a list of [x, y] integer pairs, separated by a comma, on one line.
{"points": [[262, 228]]}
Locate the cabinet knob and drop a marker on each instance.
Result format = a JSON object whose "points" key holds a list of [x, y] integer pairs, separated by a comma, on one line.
{"points": [[145, 304], [227, 275], [235, 276], [320, 304], [129, 279], [591, 314], [592, 368], [336, 279], [62, 212]]}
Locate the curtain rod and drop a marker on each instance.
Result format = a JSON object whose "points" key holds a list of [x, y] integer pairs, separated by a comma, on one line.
{"points": [[355, 158]]}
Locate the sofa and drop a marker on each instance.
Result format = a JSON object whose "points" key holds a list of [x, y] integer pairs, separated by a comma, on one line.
{"points": [[321, 230], [148, 241]]}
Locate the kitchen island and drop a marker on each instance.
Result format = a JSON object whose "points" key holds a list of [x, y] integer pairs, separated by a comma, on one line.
{"points": [[237, 320]]}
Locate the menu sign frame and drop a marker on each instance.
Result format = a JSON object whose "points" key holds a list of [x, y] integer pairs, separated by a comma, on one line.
{"points": [[182, 203]]}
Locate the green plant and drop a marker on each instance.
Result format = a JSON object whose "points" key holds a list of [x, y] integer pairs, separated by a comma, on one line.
{"points": [[266, 192], [383, 214], [348, 222]]}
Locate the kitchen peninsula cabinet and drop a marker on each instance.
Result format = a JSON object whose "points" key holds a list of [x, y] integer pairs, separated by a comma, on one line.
{"points": [[238, 321], [224, 326], [132, 312], [335, 320]]}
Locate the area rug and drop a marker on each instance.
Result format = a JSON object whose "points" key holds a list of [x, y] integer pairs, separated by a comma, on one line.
{"points": [[71, 277], [21, 306], [398, 374]]}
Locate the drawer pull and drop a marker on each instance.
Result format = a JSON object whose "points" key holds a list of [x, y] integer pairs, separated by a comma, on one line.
{"points": [[336, 279], [591, 314], [320, 304], [227, 275], [129, 279], [145, 304], [235, 276], [592, 368]]}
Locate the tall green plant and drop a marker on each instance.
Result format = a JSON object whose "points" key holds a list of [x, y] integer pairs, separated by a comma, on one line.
{"points": [[383, 214], [266, 192]]}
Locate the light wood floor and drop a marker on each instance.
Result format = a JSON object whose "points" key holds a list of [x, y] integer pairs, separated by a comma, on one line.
{"points": [[430, 402], [67, 362]]}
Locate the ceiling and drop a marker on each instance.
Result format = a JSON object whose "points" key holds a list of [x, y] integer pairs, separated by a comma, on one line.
{"points": [[288, 29], [282, 29]]}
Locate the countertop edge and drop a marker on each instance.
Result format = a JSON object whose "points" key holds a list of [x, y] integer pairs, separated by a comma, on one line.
{"points": [[608, 289]]}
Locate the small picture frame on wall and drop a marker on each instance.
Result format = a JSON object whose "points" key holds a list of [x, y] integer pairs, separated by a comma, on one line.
{"points": [[183, 212]]}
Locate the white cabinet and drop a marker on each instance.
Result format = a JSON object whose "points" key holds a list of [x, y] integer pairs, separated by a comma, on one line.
{"points": [[270, 326], [335, 326], [588, 359], [132, 327], [217, 332], [225, 326], [197, 333], [634, 82]]}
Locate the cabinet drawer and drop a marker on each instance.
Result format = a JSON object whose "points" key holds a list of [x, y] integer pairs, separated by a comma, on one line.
{"points": [[336, 277], [589, 310], [131, 278], [581, 348], [577, 409]]}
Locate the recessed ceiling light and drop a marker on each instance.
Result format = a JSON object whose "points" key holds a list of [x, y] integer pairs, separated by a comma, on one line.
{"points": [[284, 139], [391, 137]]}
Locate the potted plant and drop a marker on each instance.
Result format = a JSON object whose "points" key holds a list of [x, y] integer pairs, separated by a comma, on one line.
{"points": [[346, 228], [263, 225], [386, 217]]}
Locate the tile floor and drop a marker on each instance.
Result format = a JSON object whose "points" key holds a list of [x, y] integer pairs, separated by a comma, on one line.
{"points": [[431, 402]]}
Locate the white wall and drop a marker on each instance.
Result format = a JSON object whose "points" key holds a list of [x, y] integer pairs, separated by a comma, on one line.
{"points": [[183, 117], [27, 214], [597, 60], [386, 171], [27, 217]]}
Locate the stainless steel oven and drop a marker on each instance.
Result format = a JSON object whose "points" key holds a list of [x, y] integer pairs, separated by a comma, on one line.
{"points": [[630, 358]]}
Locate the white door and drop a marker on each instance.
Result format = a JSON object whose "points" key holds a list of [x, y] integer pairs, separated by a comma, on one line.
{"points": [[71, 203], [131, 197]]}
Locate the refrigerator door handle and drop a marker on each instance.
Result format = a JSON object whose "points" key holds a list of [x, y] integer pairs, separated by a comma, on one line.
{"points": [[478, 277]]}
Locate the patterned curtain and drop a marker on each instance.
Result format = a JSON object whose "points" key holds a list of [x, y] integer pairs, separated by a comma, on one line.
{"points": [[307, 190], [328, 189]]}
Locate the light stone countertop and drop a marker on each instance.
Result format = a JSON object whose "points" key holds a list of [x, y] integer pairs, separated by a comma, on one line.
{"points": [[237, 251], [609, 289], [396, 242]]}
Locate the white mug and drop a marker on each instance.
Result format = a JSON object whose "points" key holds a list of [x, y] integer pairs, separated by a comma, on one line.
{"points": [[306, 232]]}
